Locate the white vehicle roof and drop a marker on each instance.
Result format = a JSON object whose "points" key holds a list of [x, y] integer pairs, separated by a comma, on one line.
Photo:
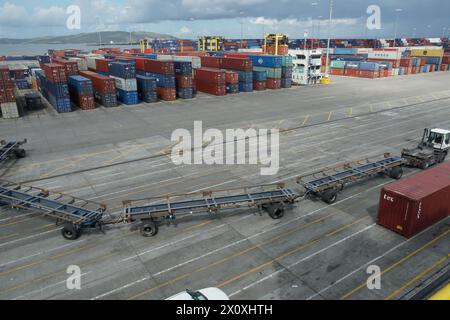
{"points": [[440, 131], [208, 293]]}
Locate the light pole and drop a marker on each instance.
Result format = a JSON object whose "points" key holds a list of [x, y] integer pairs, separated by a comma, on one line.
{"points": [[242, 28], [329, 39], [313, 5], [396, 22]]}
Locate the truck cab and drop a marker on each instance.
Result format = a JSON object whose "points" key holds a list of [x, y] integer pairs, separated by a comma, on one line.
{"points": [[433, 149]]}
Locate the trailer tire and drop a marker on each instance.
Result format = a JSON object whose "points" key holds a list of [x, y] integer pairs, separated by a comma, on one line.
{"points": [[396, 173], [70, 232], [442, 157], [20, 153], [424, 165], [329, 196], [148, 229], [275, 211]]}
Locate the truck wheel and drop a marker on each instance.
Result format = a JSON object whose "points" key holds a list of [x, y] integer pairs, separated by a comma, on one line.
{"points": [[329, 196], [70, 232], [148, 229], [442, 157], [424, 165], [275, 211], [396, 173], [20, 153]]}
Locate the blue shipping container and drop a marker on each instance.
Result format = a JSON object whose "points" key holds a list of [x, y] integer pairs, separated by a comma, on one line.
{"points": [[369, 66], [432, 60], [233, 88], [352, 65], [148, 96], [81, 85], [58, 90], [162, 80], [185, 93], [146, 83], [22, 84], [245, 76], [267, 61], [286, 72], [286, 82], [183, 68], [245, 87], [60, 105], [106, 99], [124, 70], [259, 75], [128, 97]]}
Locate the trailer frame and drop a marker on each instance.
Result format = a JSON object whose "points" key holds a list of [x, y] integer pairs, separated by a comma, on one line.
{"points": [[74, 213], [155, 210], [7, 149], [327, 182]]}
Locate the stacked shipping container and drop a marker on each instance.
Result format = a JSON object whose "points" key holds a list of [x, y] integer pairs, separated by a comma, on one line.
{"points": [[56, 86], [124, 74], [163, 72], [8, 105], [81, 92], [104, 88]]}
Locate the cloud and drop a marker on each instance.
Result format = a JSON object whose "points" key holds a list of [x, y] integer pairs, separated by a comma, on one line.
{"points": [[12, 15], [185, 30]]}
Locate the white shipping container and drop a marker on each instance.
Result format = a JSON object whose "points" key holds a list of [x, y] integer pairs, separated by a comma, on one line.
{"points": [[394, 72], [385, 54], [9, 110], [164, 57], [125, 84], [82, 64]]}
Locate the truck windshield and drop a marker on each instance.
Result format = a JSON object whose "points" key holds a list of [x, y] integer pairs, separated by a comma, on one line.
{"points": [[435, 138]]}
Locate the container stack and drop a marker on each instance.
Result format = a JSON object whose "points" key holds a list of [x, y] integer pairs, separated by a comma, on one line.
{"points": [[104, 88], [259, 80], [272, 65], [286, 72], [8, 105], [57, 88], [101, 66], [184, 82], [43, 60], [369, 70], [81, 63], [81, 92], [18, 75], [244, 67], [210, 80], [232, 82], [146, 87], [163, 72], [124, 74], [71, 67]]}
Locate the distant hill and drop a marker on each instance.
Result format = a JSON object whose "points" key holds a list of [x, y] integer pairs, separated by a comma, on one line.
{"points": [[90, 38]]}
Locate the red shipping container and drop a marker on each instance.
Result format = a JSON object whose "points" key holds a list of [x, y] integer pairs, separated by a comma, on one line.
{"points": [[417, 202], [184, 81], [156, 66], [231, 77], [211, 62], [55, 72], [7, 95], [446, 60], [259, 85], [7, 84], [385, 73], [369, 74], [444, 67], [100, 83], [167, 94], [236, 55], [4, 73], [242, 64], [210, 75], [406, 62], [85, 102], [70, 66], [272, 83], [351, 72], [211, 87], [102, 65]]}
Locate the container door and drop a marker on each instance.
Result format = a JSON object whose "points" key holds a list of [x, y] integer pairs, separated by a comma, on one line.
{"points": [[394, 212]]}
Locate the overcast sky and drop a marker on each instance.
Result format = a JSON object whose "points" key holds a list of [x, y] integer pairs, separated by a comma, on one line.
{"points": [[190, 18]]}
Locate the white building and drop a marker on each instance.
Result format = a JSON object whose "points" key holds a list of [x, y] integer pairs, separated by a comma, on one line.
{"points": [[307, 66]]}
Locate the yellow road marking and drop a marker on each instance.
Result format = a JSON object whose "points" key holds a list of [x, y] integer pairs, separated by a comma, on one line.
{"points": [[240, 253], [329, 115], [405, 258], [350, 112], [9, 236], [45, 226], [16, 222], [418, 277], [306, 120]]}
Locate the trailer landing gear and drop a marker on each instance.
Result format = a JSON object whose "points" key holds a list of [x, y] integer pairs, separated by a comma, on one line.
{"points": [[275, 211]]}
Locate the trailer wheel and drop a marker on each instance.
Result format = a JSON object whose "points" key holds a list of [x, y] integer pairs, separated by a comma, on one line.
{"points": [[396, 173], [148, 229], [70, 232], [20, 153], [442, 157], [275, 211], [424, 165], [329, 196]]}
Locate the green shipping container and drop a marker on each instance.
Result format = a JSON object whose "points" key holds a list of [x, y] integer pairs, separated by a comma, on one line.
{"points": [[338, 64], [287, 61], [271, 72]]}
